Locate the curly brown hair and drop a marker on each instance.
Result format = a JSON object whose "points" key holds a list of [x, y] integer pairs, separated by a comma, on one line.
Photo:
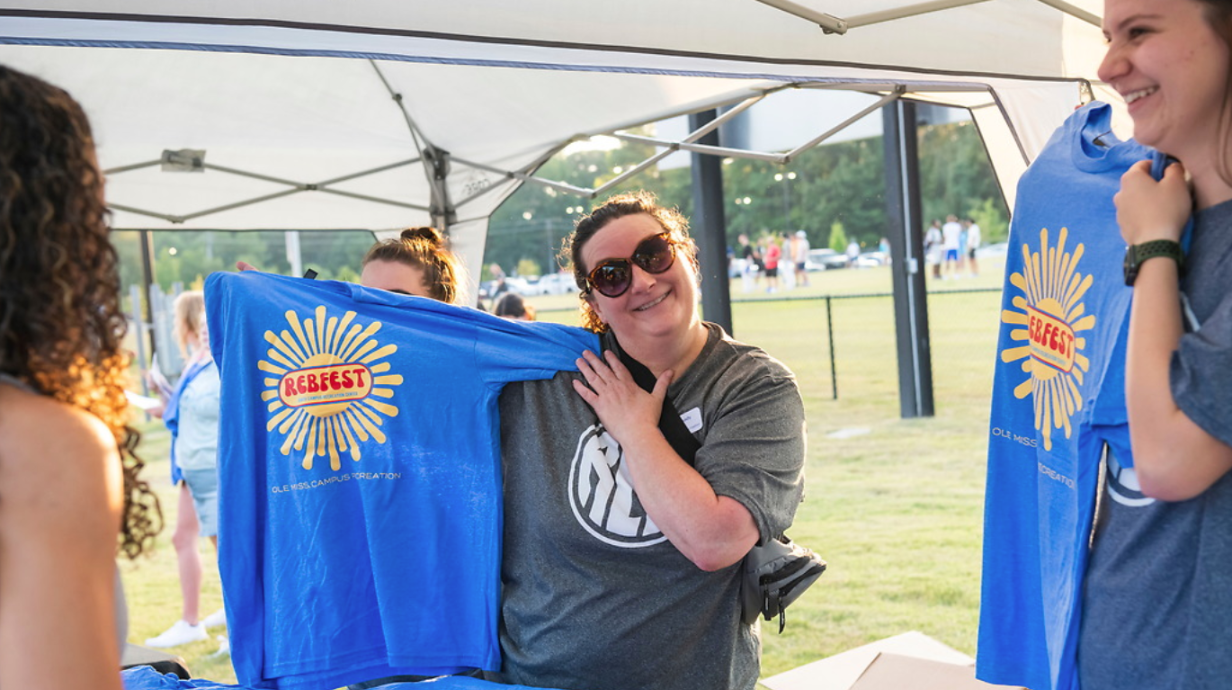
{"points": [[619, 206], [424, 248], [61, 325]]}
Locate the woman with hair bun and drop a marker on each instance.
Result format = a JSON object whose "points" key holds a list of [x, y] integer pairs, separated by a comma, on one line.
{"points": [[70, 491], [417, 262]]}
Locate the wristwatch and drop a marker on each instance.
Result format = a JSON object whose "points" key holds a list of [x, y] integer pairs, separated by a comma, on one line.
{"points": [[1135, 254]]}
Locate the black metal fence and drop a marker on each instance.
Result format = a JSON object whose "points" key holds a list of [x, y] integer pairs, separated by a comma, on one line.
{"points": [[830, 325]]}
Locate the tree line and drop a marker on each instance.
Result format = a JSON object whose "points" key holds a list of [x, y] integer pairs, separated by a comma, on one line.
{"points": [[835, 188]]}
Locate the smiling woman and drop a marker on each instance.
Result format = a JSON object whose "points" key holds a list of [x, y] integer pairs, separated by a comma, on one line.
{"points": [[621, 564], [1157, 606]]}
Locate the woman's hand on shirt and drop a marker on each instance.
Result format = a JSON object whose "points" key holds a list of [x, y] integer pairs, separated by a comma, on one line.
{"points": [[1153, 210], [623, 407], [711, 531]]}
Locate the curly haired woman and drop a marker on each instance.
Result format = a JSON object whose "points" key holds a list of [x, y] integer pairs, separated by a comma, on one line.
{"points": [[69, 482]]}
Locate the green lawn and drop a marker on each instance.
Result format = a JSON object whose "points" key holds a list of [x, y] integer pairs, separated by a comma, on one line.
{"points": [[896, 511]]}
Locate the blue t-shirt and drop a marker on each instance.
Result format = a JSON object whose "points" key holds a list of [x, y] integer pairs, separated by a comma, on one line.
{"points": [[146, 678], [360, 487], [1058, 398]]}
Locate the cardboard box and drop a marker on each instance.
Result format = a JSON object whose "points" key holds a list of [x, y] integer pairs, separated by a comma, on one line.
{"points": [[912, 661]]}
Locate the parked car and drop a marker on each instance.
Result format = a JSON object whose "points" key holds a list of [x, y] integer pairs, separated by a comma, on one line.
{"points": [[519, 285], [997, 249], [557, 284], [869, 260], [532, 286], [824, 260]]}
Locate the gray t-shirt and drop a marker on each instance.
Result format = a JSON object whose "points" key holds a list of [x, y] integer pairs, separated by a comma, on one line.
{"points": [[595, 597], [1157, 606]]}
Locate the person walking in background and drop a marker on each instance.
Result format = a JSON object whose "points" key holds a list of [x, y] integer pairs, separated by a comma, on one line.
{"points": [[962, 248], [770, 257], [1157, 601], [799, 257], [749, 270], [974, 238], [932, 247], [191, 414], [950, 234], [787, 273], [70, 484]]}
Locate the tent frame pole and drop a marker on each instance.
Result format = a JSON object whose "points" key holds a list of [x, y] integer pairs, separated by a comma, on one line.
{"points": [[709, 221], [295, 188], [693, 142], [1078, 12], [908, 11], [831, 24], [908, 265], [435, 160]]}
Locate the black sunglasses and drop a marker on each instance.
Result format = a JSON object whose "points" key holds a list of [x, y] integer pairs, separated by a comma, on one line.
{"points": [[612, 277]]}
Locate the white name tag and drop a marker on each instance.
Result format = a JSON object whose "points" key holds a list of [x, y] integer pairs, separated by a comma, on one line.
{"points": [[692, 419]]}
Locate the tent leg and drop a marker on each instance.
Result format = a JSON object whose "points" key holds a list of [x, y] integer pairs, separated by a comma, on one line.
{"points": [[146, 238], [908, 266], [444, 213], [710, 226]]}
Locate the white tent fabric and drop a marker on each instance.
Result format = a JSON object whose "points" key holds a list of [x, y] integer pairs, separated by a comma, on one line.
{"points": [[299, 97]]}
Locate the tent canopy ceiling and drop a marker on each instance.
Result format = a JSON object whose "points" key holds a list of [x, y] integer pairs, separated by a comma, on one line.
{"points": [[1018, 38], [322, 115]]}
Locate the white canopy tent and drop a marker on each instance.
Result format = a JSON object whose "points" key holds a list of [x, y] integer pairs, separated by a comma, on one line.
{"points": [[376, 115]]}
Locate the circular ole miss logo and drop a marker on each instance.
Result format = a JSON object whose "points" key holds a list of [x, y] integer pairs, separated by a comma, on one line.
{"points": [[1051, 318], [602, 497], [325, 374]]}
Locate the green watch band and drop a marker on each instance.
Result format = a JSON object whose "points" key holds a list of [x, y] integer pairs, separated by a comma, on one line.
{"points": [[1136, 254]]}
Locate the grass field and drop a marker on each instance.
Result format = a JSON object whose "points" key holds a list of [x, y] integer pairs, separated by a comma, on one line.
{"points": [[894, 506]]}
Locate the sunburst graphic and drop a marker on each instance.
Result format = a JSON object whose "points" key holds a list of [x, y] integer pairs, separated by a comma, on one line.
{"points": [[325, 378], [1052, 316]]}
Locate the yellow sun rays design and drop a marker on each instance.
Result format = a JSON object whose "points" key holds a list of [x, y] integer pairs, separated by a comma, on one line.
{"points": [[1051, 315], [324, 376]]}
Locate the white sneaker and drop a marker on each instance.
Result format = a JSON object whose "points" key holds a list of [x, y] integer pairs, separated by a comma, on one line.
{"points": [[216, 619], [224, 646], [181, 632]]}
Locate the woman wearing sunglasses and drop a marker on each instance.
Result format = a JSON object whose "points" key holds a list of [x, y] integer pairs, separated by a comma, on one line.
{"points": [[622, 561]]}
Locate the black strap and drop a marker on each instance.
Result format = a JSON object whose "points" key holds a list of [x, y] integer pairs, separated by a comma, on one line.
{"points": [[670, 423], [673, 427]]}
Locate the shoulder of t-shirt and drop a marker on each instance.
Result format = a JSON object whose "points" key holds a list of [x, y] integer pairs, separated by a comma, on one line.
{"points": [[742, 355]]}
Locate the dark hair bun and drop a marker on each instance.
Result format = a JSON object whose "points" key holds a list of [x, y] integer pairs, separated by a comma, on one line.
{"points": [[509, 304], [430, 235]]}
